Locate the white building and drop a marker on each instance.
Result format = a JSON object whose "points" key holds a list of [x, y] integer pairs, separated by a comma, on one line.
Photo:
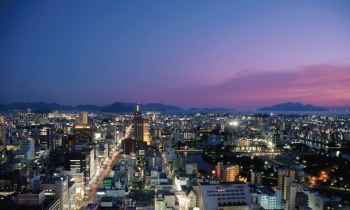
{"points": [[270, 200], [78, 178], [294, 188], [224, 195], [26, 150], [189, 168], [56, 187], [311, 196]]}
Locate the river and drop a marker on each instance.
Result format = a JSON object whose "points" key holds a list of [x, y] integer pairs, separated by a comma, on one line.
{"points": [[319, 146], [213, 140], [197, 157]]}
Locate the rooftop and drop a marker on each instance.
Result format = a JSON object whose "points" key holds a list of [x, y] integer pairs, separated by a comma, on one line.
{"points": [[31, 192], [106, 199]]}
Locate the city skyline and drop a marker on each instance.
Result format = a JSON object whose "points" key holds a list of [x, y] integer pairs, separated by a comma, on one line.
{"points": [[200, 54]]}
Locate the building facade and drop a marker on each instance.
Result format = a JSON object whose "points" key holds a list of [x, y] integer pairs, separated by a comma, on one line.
{"points": [[220, 195]]}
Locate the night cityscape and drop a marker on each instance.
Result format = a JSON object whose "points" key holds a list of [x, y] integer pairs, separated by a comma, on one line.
{"points": [[175, 105]]}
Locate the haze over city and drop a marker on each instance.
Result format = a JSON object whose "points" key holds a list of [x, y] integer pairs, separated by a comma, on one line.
{"points": [[232, 54]]}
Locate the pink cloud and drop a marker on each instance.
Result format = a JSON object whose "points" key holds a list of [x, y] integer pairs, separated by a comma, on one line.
{"points": [[321, 85]]}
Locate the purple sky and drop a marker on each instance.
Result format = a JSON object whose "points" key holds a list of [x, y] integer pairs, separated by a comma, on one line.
{"points": [[233, 54]]}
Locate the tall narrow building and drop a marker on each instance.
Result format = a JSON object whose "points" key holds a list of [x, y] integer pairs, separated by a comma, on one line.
{"points": [[137, 112], [3, 134], [83, 116], [256, 177], [286, 175], [141, 126]]}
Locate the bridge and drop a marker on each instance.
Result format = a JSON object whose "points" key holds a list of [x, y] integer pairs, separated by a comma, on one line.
{"points": [[189, 150], [265, 153], [252, 153]]}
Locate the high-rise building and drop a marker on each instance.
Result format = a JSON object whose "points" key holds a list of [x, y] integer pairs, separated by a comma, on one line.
{"points": [[79, 160], [141, 126], [142, 130], [110, 133], [301, 199], [229, 173], [3, 133], [294, 188], [137, 112], [223, 195], [129, 146], [286, 187], [269, 199], [256, 177], [83, 118], [218, 168], [46, 136], [276, 138], [293, 174], [282, 173], [56, 187], [283, 126], [83, 133], [77, 120]]}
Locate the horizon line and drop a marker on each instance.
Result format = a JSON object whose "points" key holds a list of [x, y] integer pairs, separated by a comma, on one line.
{"points": [[208, 107]]}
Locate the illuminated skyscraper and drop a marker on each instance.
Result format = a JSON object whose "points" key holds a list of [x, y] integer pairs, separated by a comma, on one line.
{"points": [[137, 112], [141, 126], [46, 138], [83, 118], [77, 120], [141, 130]]}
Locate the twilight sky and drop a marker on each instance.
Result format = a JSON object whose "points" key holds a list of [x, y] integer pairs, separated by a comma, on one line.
{"points": [[233, 54]]}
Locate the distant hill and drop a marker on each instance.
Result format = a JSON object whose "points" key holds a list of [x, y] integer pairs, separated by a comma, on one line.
{"points": [[88, 107], [220, 108], [42, 111], [115, 107], [339, 108], [40, 106], [118, 107], [289, 106], [151, 106], [159, 107], [210, 109], [128, 104]]}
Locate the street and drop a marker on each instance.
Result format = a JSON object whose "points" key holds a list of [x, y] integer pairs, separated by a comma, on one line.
{"points": [[98, 184]]}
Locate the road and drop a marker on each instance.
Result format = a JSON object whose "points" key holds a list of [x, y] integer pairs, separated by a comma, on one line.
{"points": [[90, 198]]}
